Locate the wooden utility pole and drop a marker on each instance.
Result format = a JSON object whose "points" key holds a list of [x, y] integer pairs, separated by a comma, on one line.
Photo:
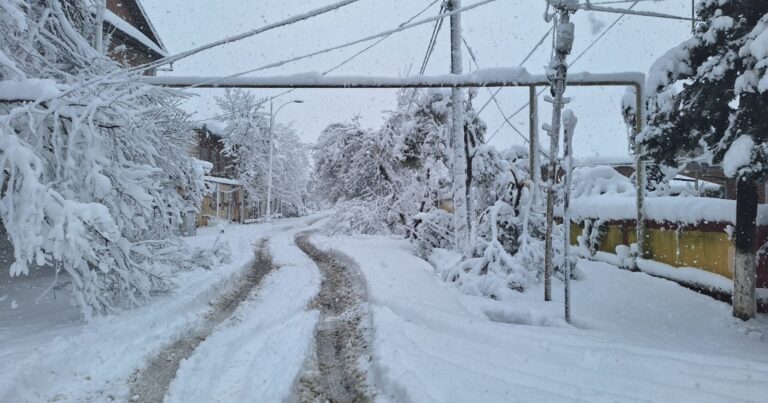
{"points": [[558, 70], [460, 199]]}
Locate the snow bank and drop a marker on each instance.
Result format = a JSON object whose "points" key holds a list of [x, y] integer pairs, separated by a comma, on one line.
{"points": [[687, 275], [684, 210], [432, 344]]}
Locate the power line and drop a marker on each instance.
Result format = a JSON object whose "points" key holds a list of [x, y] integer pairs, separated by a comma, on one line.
{"points": [[432, 41], [528, 56], [171, 59], [235, 38], [428, 53], [347, 60], [493, 96], [576, 59], [347, 44]]}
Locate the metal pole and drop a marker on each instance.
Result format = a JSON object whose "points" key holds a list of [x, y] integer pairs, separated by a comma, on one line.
{"points": [[460, 199], [217, 202], [640, 176], [271, 152], [99, 29], [569, 127], [533, 141], [241, 194], [562, 49]]}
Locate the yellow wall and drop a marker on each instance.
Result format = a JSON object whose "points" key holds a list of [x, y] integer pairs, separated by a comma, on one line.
{"points": [[707, 250]]}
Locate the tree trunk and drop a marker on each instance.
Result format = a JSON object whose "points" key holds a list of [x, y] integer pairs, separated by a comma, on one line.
{"points": [[745, 259]]}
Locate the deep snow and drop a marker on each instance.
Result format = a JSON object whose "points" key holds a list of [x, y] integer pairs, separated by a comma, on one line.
{"points": [[48, 352], [636, 338]]}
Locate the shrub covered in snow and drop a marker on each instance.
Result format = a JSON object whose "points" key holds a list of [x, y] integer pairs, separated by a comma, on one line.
{"points": [[93, 163]]}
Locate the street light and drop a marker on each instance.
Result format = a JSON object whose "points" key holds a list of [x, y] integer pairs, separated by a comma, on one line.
{"points": [[272, 147]]}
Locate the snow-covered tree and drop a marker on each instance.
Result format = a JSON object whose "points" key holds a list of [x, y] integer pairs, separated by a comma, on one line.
{"points": [[291, 172], [708, 103], [93, 163], [354, 166], [398, 179], [246, 139]]}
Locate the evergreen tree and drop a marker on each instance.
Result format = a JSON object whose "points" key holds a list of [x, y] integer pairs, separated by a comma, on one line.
{"points": [[718, 116]]}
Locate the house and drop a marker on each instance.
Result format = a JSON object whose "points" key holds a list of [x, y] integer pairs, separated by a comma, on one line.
{"points": [[226, 196], [133, 40]]}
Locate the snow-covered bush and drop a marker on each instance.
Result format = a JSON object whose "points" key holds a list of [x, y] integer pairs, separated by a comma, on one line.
{"points": [[93, 163], [355, 169], [432, 229], [359, 216]]}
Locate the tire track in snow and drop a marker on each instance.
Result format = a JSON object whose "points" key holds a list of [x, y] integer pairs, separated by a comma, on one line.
{"points": [[151, 383], [333, 372]]}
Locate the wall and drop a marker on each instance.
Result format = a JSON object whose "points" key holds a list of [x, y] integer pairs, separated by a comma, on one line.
{"points": [[705, 245]]}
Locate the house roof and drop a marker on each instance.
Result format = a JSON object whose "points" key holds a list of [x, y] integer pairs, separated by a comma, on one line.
{"points": [[142, 30]]}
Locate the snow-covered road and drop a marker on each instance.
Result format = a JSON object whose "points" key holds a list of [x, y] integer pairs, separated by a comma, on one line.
{"points": [[422, 341]]}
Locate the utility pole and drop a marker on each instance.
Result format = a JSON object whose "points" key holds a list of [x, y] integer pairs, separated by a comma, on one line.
{"points": [[271, 156], [569, 126], [558, 70], [101, 7], [460, 199], [533, 142]]}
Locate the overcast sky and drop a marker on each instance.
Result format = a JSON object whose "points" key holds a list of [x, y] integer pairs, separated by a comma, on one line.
{"points": [[500, 33]]}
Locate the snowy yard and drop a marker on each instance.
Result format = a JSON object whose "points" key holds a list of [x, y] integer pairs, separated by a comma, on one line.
{"points": [[634, 337], [50, 353]]}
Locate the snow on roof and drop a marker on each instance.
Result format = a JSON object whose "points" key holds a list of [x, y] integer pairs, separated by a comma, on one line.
{"points": [[133, 32], [600, 180], [682, 182], [223, 181], [607, 160], [149, 25], [28, 90], [205, 165]]}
